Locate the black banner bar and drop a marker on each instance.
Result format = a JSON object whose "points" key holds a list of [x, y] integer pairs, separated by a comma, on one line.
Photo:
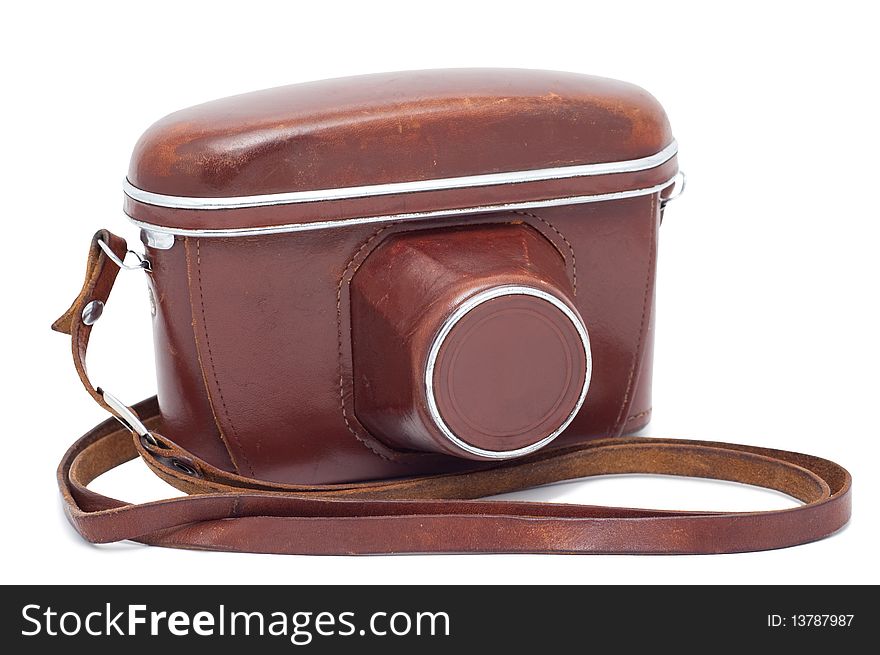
{"points": [[434, 619]]}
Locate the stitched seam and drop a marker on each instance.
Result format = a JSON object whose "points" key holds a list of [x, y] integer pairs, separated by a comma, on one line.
{"points": [[345, 273], [199, 349], [211, 359], [636, 358], [574, 270]]}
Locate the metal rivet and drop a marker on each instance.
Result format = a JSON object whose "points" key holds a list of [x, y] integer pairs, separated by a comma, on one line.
{"points": [[183, 467], [92, 312]]}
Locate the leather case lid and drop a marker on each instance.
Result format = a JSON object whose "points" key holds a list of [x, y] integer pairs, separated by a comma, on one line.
{"points": [[396, 128]]}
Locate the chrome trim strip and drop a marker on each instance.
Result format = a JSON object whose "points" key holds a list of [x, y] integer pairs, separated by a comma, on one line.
{"points": [[446, 328], [346, 193], [346, 222]]}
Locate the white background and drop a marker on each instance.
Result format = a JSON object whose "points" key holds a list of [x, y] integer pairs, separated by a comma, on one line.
{"points": [[767, 301]]}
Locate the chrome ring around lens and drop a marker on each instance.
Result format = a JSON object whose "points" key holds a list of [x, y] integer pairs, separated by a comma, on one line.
{"points": [[446, 328]]}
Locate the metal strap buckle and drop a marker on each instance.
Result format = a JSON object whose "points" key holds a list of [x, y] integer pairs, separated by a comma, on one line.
{"points": [[91, 313], [143, 263], [127, 417]]}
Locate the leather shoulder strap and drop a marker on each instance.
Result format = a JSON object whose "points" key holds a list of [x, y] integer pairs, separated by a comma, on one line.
{"points": [[101, 272], [439, 513]]}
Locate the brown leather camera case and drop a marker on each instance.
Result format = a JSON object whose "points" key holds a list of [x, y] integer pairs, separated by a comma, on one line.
{"points": [[396, 276], [297, 355]]}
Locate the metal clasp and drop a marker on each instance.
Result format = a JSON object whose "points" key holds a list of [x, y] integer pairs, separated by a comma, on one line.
{"points": [[127, 417], [143, 264], [678, 184]]}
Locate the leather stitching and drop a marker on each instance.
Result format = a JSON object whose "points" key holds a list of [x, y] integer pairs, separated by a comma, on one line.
{"points": [[574, 270], [211, 360], [200, 358], [637, 354], [347, 272]]}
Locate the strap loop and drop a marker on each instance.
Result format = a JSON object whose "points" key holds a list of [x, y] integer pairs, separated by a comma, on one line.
{"points": [[142, 265], [106, 249], [127, 417]]}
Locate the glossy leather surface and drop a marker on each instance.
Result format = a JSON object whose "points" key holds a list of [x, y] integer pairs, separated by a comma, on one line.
{"points": [[254, 334], [270, 324], [395, 127]]}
